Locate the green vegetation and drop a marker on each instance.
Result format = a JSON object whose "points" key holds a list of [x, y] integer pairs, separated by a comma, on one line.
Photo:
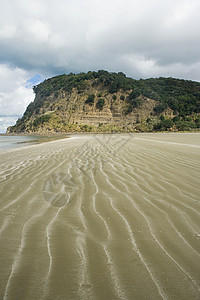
{"points": [[182, 96], [100, 104], [160, 108], [177, 123], [133, 101], [41, 120], [164, 125], [90, 99], [86, 128], [114, 97]]}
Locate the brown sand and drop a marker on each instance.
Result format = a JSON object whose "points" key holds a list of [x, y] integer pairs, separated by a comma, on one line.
{"points": [[101, 217]]}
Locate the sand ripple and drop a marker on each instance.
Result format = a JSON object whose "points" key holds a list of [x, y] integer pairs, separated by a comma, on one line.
{"points": [[124, 222]]}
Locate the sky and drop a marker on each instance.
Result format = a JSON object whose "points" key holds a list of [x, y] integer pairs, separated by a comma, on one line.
{"points": [[141, 38]]}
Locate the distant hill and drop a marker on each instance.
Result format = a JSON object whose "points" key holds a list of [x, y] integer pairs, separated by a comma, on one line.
{"points": [[111, 102]]}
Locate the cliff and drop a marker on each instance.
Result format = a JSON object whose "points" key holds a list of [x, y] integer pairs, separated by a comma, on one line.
{"points": [[107, 102]]}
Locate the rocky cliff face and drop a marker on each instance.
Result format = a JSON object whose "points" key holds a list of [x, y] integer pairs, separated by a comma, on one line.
{"points": [[105, 102], [73, 109], [69, 111]]}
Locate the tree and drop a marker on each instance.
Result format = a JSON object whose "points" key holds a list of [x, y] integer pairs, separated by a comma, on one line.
{"points": [[90, 99], [100, 104]]}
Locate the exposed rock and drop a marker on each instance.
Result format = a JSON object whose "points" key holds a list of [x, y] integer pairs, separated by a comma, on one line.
{"points": [[102, 101]]}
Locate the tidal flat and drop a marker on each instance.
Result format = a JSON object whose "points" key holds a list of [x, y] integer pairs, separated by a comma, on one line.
{"points": [[108, 216]]}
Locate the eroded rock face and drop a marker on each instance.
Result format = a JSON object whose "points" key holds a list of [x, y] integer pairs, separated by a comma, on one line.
{"points": [[69, 111]]}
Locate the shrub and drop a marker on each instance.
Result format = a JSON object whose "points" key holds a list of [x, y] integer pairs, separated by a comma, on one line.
{"points": [[90, 99], [100, 104], [40, 120], [148, 120], [86, 128], [176, 119], [160, 108], [163, 124], [56, 94]]}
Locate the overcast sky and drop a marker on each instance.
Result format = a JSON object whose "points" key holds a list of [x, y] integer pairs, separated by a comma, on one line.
{"points": [[142, 38]]}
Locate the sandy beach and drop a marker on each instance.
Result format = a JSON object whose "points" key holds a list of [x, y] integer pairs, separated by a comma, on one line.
{"points": [[108, 216]]}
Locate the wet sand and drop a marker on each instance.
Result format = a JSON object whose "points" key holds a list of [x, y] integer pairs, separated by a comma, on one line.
{"points": [[101, 217], [8, 142]]}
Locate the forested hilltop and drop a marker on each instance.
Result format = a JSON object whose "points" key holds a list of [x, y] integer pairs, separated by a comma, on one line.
{"points": [[111, 102]]}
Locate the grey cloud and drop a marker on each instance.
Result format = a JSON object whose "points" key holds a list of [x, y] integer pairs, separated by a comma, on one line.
{"points": [[141, 38], [52, 37]]}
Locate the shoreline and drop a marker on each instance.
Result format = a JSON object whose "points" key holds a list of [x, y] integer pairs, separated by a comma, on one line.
{"points": [[63, 134], [39, 140], [72, 137], [35, 145]]}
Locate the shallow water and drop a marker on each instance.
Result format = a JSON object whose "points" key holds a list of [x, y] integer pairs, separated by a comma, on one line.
{"points": [[101, 217], [8, 142]]}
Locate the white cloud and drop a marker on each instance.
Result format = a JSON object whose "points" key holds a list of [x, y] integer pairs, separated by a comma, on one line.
{"points": [[5, 122], [14, 96], [7, 32], [39, 30]]}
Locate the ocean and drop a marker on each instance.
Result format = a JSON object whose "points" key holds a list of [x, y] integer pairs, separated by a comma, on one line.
{"points": [[12, 142]]}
